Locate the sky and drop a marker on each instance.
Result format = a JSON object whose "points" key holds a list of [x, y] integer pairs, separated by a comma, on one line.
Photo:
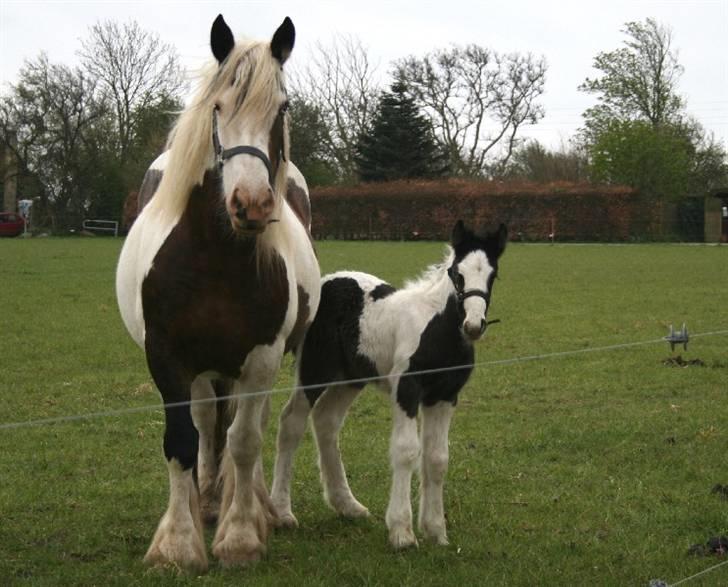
{"points": [[568, 34]]}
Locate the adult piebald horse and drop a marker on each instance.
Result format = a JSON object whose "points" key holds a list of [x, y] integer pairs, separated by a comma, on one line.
{"points": [[218, 278]]}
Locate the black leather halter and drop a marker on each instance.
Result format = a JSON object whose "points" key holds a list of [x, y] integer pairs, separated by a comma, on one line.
{"points": [[459, 284], [222, 154]]}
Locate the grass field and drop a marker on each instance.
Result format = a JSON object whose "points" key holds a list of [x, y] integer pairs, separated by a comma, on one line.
{"points": [[592, 469]]}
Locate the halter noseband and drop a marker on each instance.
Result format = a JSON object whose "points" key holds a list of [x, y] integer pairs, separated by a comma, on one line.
{"points": [[453, 272], [222, 154]]}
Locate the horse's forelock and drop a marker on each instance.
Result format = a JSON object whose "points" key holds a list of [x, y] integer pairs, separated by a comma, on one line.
{"points": [[251, 68]]}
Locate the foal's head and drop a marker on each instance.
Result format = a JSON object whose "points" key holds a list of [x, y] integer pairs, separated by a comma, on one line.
{"points": [[250, 130], [473, 272]]}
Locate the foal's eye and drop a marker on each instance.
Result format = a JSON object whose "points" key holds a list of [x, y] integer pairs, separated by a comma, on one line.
{"points": [[461, 282]]}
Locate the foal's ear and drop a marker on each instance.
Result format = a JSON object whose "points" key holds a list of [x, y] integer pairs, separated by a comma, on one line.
{"points": [[221, 39], [458, 234], [283, 39], [501, 238]]}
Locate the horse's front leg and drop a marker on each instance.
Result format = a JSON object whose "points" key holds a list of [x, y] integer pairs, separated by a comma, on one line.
{"points": [[245, 514], [435, 427], [178, 540], [404, 452]]}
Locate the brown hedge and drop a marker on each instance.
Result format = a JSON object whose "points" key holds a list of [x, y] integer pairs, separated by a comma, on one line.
{"points": [[428, 210]]}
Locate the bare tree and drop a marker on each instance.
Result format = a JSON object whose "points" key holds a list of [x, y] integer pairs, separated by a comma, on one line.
{"points": [[639, 80], [135, 68], [477, 100], [339, 83], [50, 120]]}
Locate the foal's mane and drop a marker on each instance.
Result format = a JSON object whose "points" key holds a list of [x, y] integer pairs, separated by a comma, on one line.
{"points": [[431, 276], [257, 77]]}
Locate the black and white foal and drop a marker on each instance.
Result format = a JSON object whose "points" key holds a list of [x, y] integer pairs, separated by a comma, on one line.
{"points": [[366, 328]]}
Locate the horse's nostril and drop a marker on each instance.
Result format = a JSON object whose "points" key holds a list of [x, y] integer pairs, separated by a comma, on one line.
{"points": [[483, 324]]}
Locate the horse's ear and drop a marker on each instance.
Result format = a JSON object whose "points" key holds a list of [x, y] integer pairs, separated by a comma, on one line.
{"points": [[502, 238], [458, 234], [283, 39], [221, 39]]}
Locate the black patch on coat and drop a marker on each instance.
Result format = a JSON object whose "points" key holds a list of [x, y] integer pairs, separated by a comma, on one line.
{"points": [[150, 183], [205, 308], [298, 200], [382, 291], [442, 345], [330, 349], [302, 319]]}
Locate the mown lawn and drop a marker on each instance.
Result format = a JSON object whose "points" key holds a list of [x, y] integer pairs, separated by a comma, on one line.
{"points": [[592, 469]]}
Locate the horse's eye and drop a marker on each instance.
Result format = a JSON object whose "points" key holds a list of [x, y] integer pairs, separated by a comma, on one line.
{"points": [[461, 282]]}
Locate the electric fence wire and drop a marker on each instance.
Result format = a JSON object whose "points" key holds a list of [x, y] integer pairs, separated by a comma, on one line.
{"points": [[514, 360], [497, 362]]}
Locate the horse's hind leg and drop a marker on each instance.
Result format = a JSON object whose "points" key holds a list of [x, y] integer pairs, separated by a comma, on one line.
{"points": [[204, 415], [244, 518], [328, 418], [178, 540], [290, 431], [435, 426]]}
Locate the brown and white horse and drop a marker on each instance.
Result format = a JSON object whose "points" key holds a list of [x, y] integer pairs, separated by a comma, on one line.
{"points": [[216, 280]]}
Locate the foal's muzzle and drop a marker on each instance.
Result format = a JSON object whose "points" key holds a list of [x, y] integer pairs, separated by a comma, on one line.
{"points": [[474, 330]]}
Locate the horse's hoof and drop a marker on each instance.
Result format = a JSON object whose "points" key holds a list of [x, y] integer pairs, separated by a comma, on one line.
{"points": [[287, 520], [401, 538], [178, 553], [238, 552]]}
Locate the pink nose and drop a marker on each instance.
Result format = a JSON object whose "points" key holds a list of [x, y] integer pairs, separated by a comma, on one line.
{"points": [[251, 213]]}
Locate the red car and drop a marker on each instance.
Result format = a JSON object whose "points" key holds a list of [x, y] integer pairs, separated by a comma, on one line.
{"points": [[11, 224]]}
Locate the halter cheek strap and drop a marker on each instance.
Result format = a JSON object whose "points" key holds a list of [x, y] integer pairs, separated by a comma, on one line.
{"points": [[222, 155], [462, 295]]}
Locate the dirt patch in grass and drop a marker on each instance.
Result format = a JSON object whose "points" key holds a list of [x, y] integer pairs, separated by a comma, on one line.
{"points": [[680, 362]]}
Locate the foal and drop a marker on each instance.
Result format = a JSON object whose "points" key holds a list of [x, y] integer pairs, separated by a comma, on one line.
{"points": [[366, 328]]}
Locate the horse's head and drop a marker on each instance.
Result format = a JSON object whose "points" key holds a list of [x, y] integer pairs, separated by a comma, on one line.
{"points": [[473, 272], [249, 126]]}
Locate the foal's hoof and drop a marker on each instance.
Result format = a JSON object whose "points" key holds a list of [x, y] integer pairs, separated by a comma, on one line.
{"points": [[401, 538], [353, 510]]}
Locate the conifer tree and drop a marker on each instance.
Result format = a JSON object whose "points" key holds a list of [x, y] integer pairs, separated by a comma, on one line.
{"points": [[400, 143]]}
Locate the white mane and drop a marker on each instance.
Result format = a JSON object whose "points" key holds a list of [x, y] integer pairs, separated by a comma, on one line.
{"points": [[253, 70], [432, 276]]}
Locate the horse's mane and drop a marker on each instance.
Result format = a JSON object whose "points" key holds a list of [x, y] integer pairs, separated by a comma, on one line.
{"points": [[431, 276], [257, 76]]}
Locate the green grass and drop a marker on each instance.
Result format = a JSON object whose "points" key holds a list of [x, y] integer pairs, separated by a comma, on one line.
{"points": [[593, 469]]}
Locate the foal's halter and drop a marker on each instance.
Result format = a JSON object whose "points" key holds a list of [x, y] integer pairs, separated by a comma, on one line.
{"points": [[222, 154], [459, 284]]}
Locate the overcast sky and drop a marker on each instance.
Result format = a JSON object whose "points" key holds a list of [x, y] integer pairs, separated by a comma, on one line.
{"points": [[569, 34]]}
